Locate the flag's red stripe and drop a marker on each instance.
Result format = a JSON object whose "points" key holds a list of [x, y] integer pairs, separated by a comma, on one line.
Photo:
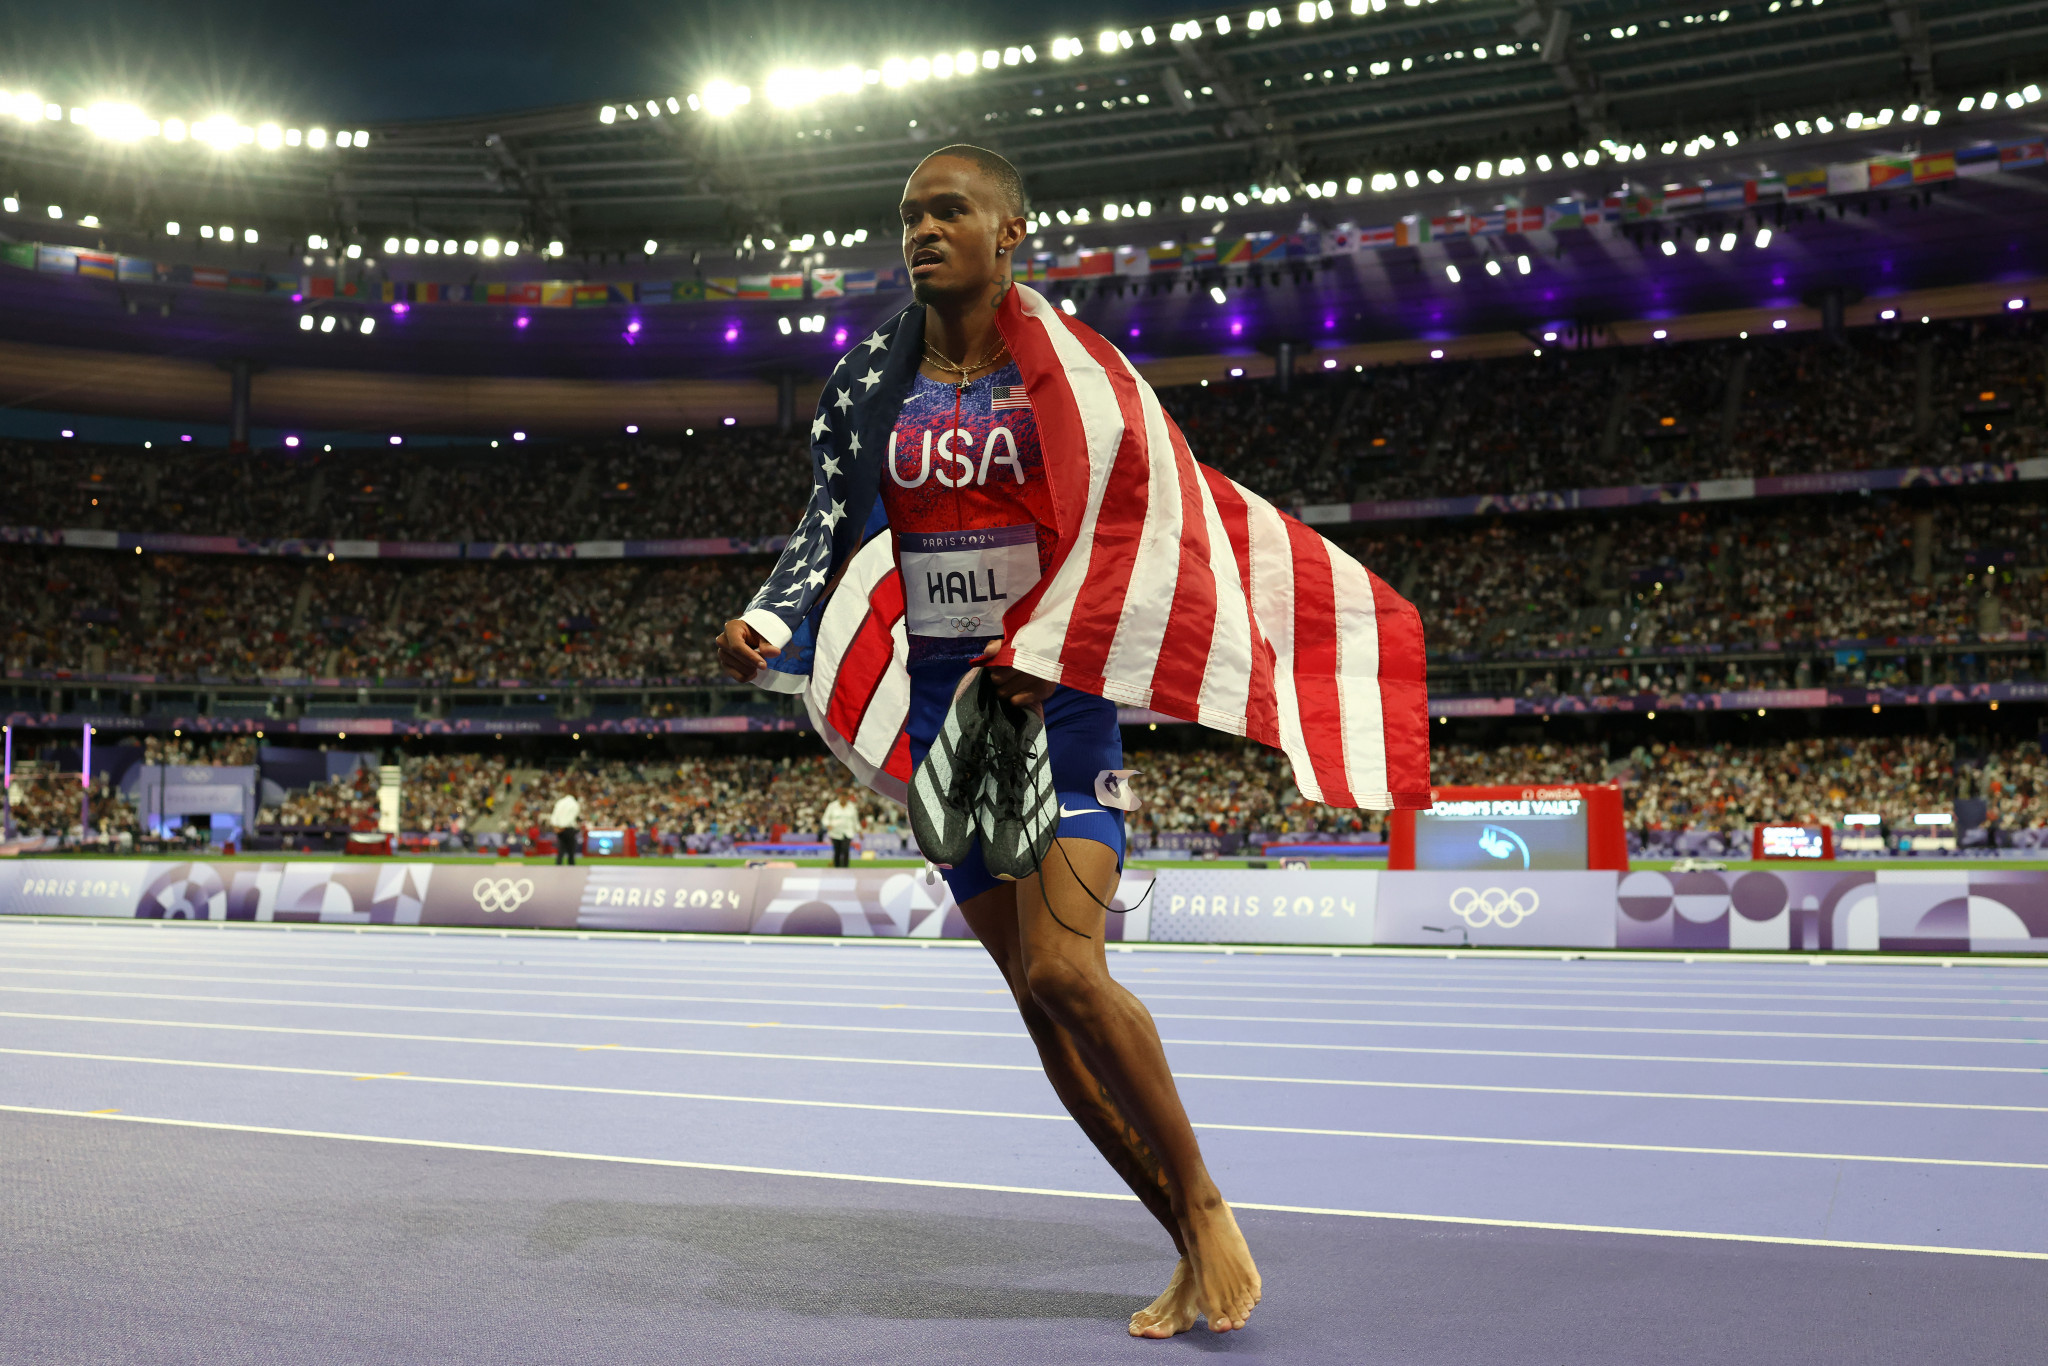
{"points": [[1062, 442], [1191, 622], [1404, 694], [898, 764], [868, 657], [1315, 660], [1262, 703], [1119, 528]]}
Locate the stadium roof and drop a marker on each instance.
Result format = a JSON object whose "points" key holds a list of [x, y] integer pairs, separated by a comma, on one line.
{"points": [[1215, 106]]}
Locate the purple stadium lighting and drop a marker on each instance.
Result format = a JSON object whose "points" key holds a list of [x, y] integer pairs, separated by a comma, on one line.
{"points": [[187, 436], [67, 433], [839, 337], [634, 327], [521, 322], [732, 333], [1236, 328], [399, 310], [298, 298], [1134, 332], [292, 441]]}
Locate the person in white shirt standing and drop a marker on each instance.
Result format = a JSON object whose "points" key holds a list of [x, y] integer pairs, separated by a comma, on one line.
{"points": [[567, 813], [842, 824]]}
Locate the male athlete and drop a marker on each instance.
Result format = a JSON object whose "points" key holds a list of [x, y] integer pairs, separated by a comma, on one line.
{"points": [[942, 523]]}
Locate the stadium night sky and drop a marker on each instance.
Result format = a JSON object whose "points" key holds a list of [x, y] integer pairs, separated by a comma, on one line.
{"points": [[373, 60]]}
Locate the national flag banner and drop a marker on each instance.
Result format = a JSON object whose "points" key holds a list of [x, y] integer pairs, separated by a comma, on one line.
{"points": [[249, 282], [495, 293], [1979, 158], [786, 286], [2018, 156], [352, 290], [860, 282], [1889, 170], [426, 292], [1065, 266], [653, 292], [1098, 263], [1202, 253], [1450, 225], [1342, 240], [21, 254], [754, 286], [1376, 239], [592, 295], [1558, 217], [1679, 198], [1806, 184], [688, 292], [1231, 251], [209, 277], [98, 264], [1039, 266], [1491, 224], [1851, 177], [1412, 230], [1770, 183], [1729, 194], [64, 261], [557, 294], [1304, 246], [319, 286], [1265, 245], [722, 287], [828, 282], [1172, 587], [136, 270], [1934, 166], [1526, 219], [1008, 396], [1165, 256], [1131, 261]]}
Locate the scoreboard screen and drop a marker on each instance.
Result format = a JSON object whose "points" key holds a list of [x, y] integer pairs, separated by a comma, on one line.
{"points": [[1502, 835], [1792, 842]]}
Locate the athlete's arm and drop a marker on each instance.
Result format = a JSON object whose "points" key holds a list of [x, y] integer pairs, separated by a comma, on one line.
{"points": [[742, 651], [1014, 685]]}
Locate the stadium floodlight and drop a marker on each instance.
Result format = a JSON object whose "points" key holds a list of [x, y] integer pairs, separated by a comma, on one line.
{"points": [[1931, 117], [433, 248], [604, 115], [511, 247], [1305, 12], [412, 245], [1147, 36], [1886, 315], [170, 229], [1067, 307], [782, 326], [920, 69], [1778, 324], [1434, 176], [367, 326], [1410, 179], [2015, 305], [344, 139], [1550, 336], [650, 246], [1591, 156], [1542, 161], [555, 248], [1728, 240], [1106, 40], [1452, 272], [722, 97], [1522, 265], [1216, 293], [316, 138], [1462, 173], [1011, 56], [1659, 335], [448, 248], [1933, 818], [1354, 185], [327, 323], [269, 137], [1492, 266], [56, 211], [1570, 160], [1763, 237], [398, 441], [305, 322], [1668, 247], [1701, 243], [469, 247], [1436, 354], [354, 252], [492, 246], [206, 231], [1109, 213]]}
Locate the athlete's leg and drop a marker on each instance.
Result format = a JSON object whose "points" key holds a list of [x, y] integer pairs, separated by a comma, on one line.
{"points": [[993, 918], [1066, 971]]}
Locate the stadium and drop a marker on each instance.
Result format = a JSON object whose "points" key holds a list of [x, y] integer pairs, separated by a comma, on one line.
{"points": [[1543, 505]]}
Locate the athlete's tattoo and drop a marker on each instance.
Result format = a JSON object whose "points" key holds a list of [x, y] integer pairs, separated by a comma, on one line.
{"points": [[1002, 288]]}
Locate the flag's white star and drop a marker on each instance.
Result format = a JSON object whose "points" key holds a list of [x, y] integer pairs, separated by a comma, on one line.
{"points": [[853, 443], [817, 578], [872, 377], [875, 342], [838, 511], [819, 426], [831, 466], [842, 403]]}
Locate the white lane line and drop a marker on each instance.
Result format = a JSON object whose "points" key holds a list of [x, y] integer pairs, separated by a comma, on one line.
{"points": [[359, 1075], [1519, 1027], [1033, 1067], [1003, 1033], [935, 1184], [1143, 985]]}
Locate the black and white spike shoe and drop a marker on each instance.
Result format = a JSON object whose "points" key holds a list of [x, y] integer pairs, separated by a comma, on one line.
{"points": [[947, 785], [1018, 813]]}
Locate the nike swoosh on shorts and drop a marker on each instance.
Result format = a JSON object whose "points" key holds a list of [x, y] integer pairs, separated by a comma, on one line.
{"points": [[1081, 811]]}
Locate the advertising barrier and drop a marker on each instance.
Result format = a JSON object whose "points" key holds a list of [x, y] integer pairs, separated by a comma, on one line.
{"points": [[1811, 909]]}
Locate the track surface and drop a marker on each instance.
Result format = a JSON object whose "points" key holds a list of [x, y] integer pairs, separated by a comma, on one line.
{"points": [[628, 1150]]}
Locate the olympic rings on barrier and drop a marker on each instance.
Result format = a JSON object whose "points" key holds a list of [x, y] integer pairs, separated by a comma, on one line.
{"points": [[1494, 906], [501, 894]]}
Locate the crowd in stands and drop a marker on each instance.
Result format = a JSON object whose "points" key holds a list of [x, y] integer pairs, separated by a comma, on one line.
{"points": [[1567, 418], [215, 751]]}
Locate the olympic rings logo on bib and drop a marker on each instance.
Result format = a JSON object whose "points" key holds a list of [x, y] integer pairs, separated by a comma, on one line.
{"points": [[1494, 906], [965, 626], [501, 894]]}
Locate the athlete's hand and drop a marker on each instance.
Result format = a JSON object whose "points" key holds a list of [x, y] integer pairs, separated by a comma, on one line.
{"points": [[1015, 686], [742, 651]]}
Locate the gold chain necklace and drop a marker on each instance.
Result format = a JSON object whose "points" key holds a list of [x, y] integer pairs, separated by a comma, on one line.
{"points": [[963, 371]]}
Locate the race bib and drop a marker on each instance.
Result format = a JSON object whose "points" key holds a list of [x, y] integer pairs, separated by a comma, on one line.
{"points": [[959, 583]]}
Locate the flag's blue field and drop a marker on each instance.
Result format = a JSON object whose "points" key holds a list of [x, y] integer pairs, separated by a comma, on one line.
{"points": [[284, 1146]]}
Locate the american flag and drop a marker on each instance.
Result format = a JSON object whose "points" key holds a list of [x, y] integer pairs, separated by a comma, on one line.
{"points": [[1172, 589], [1007, 396]]}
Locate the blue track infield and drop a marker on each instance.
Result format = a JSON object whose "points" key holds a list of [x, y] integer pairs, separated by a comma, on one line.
{"points": [[317, 1146]]}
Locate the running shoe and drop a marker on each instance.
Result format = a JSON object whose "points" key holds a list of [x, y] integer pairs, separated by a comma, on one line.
{"points": [[1018, 813], [946, 786]]}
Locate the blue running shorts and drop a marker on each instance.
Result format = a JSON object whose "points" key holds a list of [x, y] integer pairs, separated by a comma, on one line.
{"points": [[1081, 739]]}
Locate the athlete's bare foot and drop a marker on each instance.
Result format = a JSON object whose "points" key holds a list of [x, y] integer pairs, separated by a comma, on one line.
{"points": [[1227, 1284], [1175, 1311]]}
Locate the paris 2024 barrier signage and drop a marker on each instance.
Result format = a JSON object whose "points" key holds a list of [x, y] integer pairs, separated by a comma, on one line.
{"points": [[1961, 908]]}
